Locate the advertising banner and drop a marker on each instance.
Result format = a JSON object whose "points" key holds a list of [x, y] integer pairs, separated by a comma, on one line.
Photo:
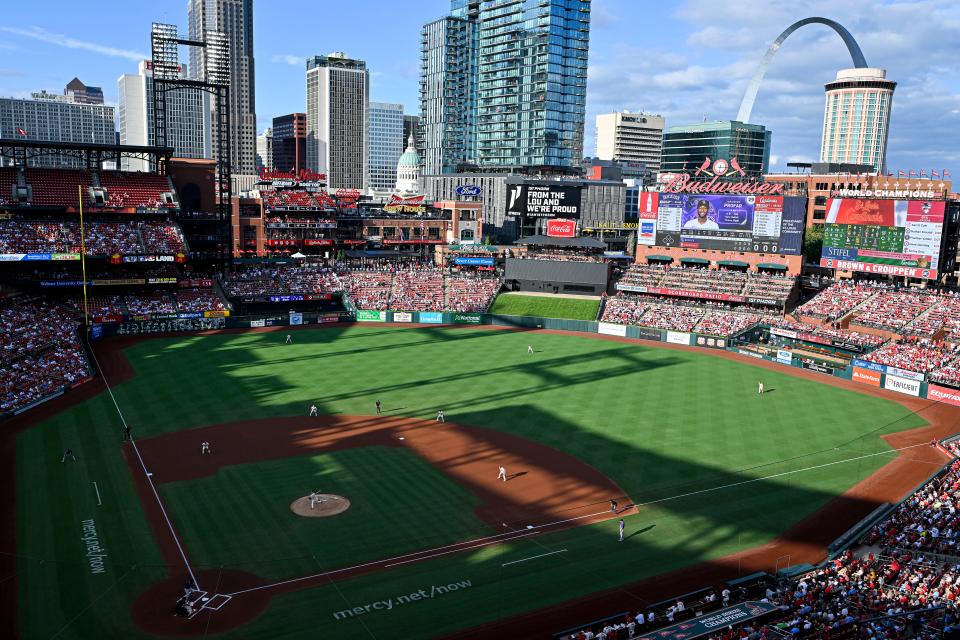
{"points": [[785, 356], [786, 333], [873, 366], [710, 624], [544, 201], [17, 257], [410, 204], [609, 329], [649, 333], [463, 318], [96, 331], [258, 323], [680, 293], [901, 385], [866, 376], [711, 342], [296, 318], [676, 337], [819, 368], [366, 315], [752, 354], [561, 228], [471, 261], [328, 319], [903, 373], [402, 316], [430, 317], [943, 394], [649, 203]]}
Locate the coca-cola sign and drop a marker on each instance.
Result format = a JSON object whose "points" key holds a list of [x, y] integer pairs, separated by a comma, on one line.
{"points": [[561, 228]]}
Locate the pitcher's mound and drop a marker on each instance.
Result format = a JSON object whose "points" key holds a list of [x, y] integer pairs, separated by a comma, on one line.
{"points": [[328, 505]]}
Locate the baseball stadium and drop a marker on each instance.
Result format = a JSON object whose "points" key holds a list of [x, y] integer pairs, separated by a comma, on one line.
{"points": [[262, 418]]}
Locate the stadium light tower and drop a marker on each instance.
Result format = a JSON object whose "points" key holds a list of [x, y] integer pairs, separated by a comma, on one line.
{"points": [[215, 80]]}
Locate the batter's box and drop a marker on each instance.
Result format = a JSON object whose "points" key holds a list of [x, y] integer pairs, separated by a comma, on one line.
{"points": [[216, 602]]}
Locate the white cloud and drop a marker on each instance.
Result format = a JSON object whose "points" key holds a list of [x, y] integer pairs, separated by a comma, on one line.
{"points": [[287, 58], [37, 33]]}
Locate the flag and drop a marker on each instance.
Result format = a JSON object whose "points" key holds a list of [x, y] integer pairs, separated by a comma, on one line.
{"points": [[946, 173], [934, 174], [21, 131], [923, 174], [900, 173], [912, 173]]}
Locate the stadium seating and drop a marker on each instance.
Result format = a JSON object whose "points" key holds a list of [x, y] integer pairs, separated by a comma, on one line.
{"points": [[661, 313], [368, 289], [161, 237], [57, 187], [892, 310], [915, 354], [282, 280], [135, 189], [102, 238], [865, 340], [944, 315], [199, 300], [837, 300], [418, 290], [643, 275], [471, 293], [40, 352], [8, 178], [285, 198]]}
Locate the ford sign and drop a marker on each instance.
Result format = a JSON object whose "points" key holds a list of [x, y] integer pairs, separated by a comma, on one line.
{"points": [[468, 190]]}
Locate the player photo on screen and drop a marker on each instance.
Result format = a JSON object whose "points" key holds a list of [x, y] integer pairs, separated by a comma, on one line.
{"points": [[718, 213]]}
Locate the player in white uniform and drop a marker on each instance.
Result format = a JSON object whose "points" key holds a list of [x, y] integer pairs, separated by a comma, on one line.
{"points": [[502, 475]]}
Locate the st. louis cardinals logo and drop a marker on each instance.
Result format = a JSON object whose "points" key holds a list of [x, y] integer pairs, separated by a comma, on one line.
{"points": [[720, 167]]}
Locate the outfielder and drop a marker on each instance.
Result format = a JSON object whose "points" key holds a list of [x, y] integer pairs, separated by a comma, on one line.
{"points": [[621, 529], [529, 348], [313, 410], [289, 339], [440, 416], [502, 475], [760, 388]]}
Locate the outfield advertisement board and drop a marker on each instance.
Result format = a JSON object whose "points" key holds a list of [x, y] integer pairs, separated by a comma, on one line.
{"points": [[785, 356], [943, 394], [866, 376], [901, 385], [677, 337], [463, 318], [903, 373], [812, 337], [711, 342], [402, 316], [819, 368], [473, 261], [872, 366], [430, 317], [366, 315], [609, 329], [649, 333], [169, 326], [296, 318]]}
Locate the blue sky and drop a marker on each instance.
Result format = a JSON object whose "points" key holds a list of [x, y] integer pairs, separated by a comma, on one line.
{"points": [[685, 60]]}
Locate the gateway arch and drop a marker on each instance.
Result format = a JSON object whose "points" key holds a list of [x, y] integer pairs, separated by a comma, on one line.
{"points": [[746, 107]]}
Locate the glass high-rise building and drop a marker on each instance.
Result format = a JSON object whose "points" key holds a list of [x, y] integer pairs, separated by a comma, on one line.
{"points": [[512, 75], [384, 147], [856, 118], [685, 147]]}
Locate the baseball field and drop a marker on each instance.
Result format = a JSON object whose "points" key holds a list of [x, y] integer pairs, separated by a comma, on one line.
{"points": [[702, 467]]}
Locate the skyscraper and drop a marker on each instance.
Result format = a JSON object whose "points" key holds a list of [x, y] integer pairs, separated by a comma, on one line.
{"points": [[338, 91], [508, 79], [82, 94], [686, 147], [188, 118], [265, 150], [448, 94], [235, 19], [856, 118], [290, 142], [384, 144], [630, 137]]}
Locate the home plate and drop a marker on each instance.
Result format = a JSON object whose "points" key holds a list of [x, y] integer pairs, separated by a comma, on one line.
{"points": [[402, 438]]}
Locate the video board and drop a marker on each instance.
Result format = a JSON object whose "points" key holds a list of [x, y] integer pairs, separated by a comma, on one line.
{"points": [[893, 237], [742, 223]]}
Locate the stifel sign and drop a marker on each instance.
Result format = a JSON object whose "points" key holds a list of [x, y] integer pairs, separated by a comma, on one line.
{"points": [[561, 228]]}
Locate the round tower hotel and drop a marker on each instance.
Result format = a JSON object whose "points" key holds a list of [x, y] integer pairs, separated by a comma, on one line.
{"points": [[856, 118]]}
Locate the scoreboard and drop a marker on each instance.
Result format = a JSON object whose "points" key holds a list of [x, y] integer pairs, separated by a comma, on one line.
{"points": [[854, 236]]}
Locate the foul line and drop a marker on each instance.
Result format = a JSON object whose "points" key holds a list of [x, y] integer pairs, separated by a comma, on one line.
{"points": [[460, 546], [146, 473], [542, 555]]}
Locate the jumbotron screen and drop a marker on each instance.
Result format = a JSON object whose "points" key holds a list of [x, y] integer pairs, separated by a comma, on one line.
{"points": [[754, 224], [893, 237]]}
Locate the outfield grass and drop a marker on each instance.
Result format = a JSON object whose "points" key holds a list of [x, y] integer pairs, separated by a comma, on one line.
{"points": [[517, 304], [662, 423]]}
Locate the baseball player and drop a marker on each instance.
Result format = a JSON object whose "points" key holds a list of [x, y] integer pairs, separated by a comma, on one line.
{"points": [[529, 348], [126, 433], [204, 448], [502, 475], [440, 416], [378, 407], [289, 339], [621, 526], [68, 453], [313, 410], [613, 506], [760, 388], [314, 499]]}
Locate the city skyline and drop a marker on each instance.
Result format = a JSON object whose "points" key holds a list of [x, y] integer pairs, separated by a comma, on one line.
{"points": [[692, 61]]}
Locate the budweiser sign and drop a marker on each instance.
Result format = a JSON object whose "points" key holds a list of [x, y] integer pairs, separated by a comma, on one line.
{"points": [[684, 183], [561, 228], [304, 175], [398, 204]]}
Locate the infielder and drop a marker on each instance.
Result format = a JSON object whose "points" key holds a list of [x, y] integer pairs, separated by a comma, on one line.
{"points": [[621, 529], [440, 416], [529, 348], [68, 453], [378, 407], [313, 410], [204, 448], [613, 506], [502, 475], [315, 499]]}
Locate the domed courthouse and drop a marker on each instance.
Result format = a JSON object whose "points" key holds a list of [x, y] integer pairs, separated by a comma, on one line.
{"points": [[408, 170]]}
